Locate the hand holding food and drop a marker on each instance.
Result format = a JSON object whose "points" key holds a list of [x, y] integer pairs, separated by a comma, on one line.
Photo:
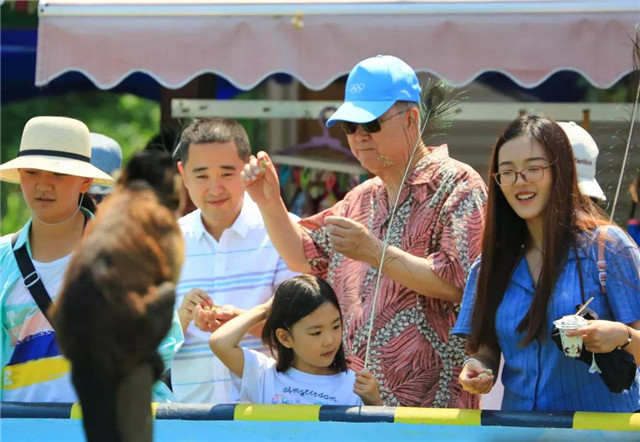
{"points": [[476, 377]]}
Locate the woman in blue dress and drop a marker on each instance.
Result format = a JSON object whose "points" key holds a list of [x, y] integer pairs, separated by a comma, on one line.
{"points": [[539, 261]]}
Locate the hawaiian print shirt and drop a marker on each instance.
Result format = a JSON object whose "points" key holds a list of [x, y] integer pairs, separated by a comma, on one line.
{"points": [[413, 356]]}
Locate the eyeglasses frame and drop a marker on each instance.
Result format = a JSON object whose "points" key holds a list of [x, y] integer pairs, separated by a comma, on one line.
{"points": [[521, 173]]}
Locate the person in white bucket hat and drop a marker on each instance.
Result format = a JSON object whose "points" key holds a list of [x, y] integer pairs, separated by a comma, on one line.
{"points": [[54, 171], [55, 144], [585, 152]]}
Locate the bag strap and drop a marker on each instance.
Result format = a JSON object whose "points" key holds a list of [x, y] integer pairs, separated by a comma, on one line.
{"points": [[31, 278], [602, 262]]}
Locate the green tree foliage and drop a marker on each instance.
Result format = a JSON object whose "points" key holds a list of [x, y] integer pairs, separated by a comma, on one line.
{"points": [[130, 120]]}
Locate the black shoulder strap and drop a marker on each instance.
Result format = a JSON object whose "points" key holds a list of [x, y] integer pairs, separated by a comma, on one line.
{"points": [[31, 278]]}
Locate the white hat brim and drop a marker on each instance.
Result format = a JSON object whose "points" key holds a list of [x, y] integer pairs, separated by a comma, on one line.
{"points": [[591, 188], [67, 166]]}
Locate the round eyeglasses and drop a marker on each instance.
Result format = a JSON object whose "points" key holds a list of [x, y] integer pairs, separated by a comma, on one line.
{"points": [[529, 175], [371, 127]]}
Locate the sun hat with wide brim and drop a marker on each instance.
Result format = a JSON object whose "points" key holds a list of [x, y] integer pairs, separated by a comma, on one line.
{"points": [[55, 144]]}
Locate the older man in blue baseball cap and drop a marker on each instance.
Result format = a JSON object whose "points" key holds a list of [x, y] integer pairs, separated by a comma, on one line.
{"points": [[433, 238]]}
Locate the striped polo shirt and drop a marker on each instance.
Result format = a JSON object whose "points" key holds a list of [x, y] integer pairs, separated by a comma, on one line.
{"points": [[241, 269]]}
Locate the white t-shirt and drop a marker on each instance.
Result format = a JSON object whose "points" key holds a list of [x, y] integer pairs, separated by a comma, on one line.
{"points": [[262, 384], [37, 372]]}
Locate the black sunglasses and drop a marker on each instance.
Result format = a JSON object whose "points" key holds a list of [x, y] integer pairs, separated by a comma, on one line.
{"points": [[371, 127]]}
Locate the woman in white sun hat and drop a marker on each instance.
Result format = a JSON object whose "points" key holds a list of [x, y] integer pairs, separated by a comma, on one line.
{"points": [[54, 171]]}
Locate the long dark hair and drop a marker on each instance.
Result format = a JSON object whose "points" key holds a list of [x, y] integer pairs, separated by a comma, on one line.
{"points": [[505, 235], [294, 299]]}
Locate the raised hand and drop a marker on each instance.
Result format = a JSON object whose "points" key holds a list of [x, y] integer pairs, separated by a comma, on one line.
{"points": [[260, 179]]}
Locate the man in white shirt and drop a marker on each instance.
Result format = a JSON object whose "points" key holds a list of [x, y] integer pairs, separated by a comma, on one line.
{"points": [[230, 261]]}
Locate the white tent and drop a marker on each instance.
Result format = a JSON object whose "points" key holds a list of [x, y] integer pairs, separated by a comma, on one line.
{"points": [[317, 41]]}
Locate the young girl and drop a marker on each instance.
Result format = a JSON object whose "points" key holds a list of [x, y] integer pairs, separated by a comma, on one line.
{"points": [[539, 261], [303, 329], [54, 172]]}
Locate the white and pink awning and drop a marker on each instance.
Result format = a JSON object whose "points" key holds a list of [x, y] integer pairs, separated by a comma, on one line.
{"points": [[319, 41]]}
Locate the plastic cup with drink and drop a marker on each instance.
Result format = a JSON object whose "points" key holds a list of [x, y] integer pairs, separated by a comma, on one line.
{"points": [[571, 345]]}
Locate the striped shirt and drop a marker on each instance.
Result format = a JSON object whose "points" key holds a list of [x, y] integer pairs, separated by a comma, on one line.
{"points": [[241, 269], [539, 376]]}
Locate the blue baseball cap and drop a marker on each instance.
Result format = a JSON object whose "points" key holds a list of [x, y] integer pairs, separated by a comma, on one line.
{"points": [[106, 155], [373, 86]]}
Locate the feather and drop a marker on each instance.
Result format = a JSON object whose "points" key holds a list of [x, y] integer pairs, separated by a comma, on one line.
{"points": [[440, 102], [635, 80]]}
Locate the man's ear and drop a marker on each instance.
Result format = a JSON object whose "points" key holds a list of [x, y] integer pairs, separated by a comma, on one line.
{"points": [[284, 337], [180, 168], [182, 174], [414, 115]]}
